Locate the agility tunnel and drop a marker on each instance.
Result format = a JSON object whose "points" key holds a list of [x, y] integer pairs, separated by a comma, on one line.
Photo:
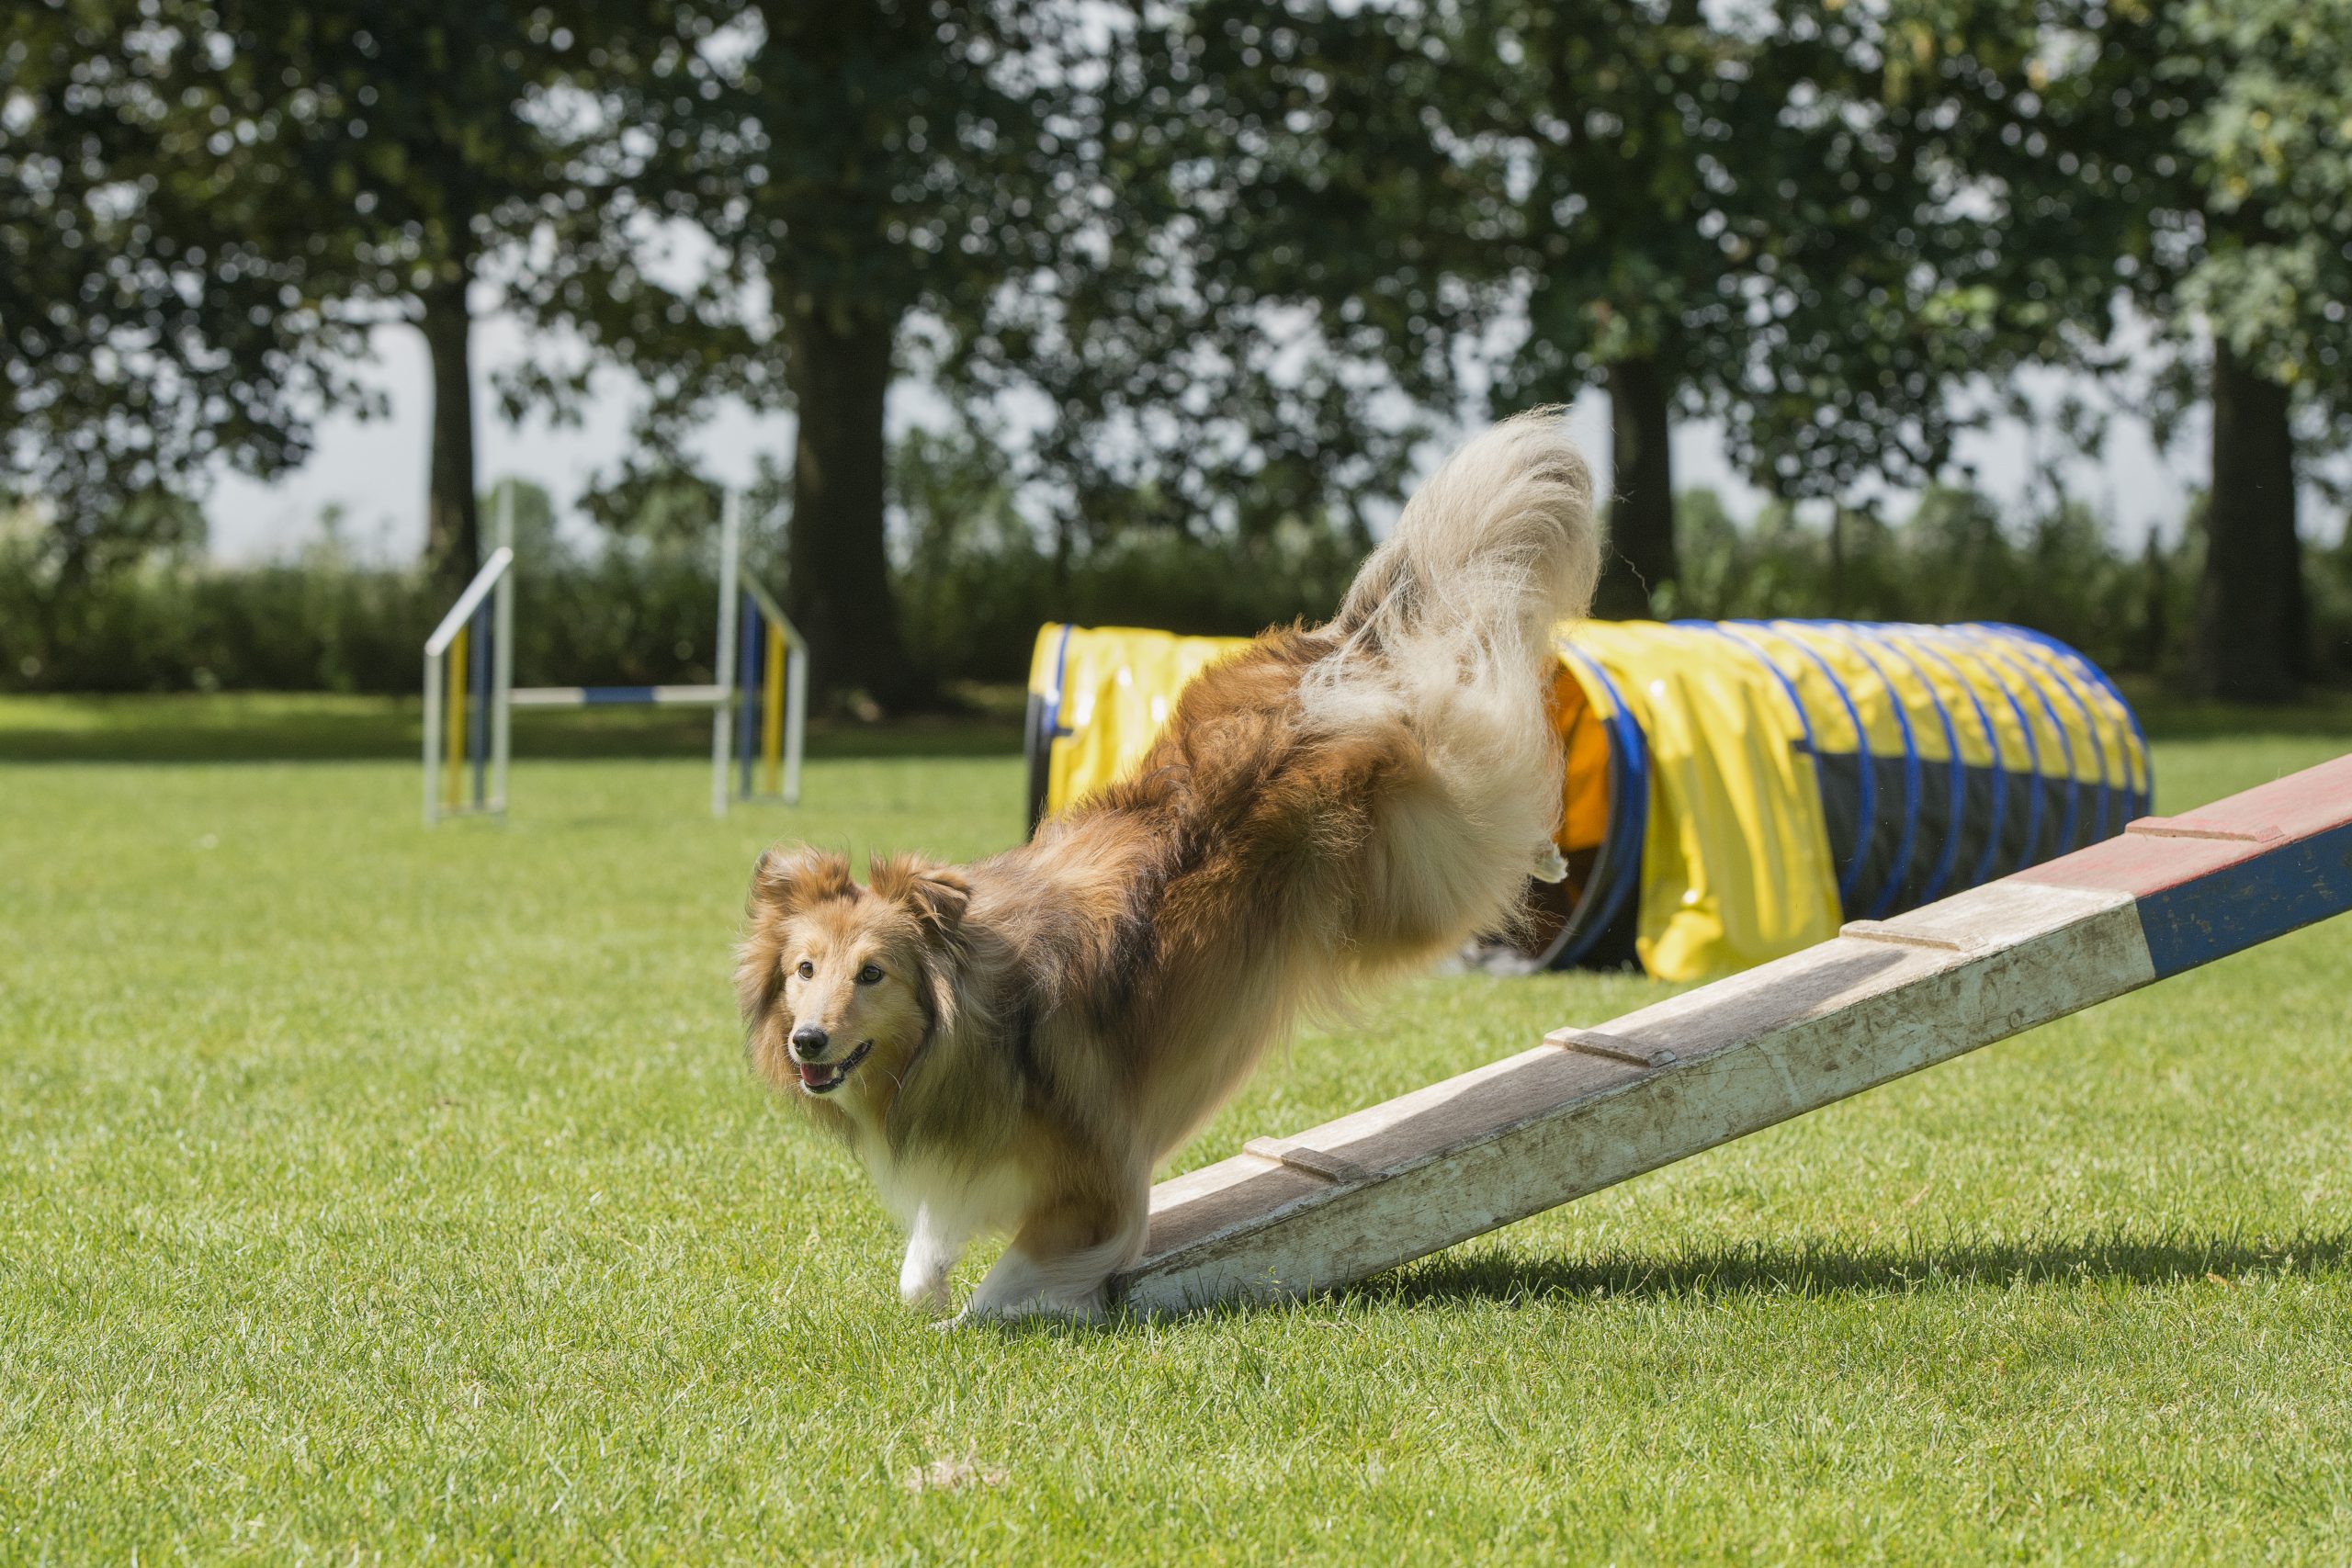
{"points": [[1734, 789]]}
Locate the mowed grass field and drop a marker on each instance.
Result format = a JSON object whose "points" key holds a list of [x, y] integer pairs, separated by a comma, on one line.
{"points": [[375, 1195]]}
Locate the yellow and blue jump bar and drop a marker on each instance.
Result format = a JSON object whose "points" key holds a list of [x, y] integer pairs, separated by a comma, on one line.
{"points": [[758, 684], [466, 712], [757, 719], [758, 695]]}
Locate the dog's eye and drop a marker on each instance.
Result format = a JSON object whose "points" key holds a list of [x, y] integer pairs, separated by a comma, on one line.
{"points": [[807, 970], [870, 975]]}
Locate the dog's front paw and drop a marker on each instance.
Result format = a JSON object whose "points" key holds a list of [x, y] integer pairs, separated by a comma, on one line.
{"points": [[931, 1258], [922, 1282], [1551, 865], [1086, 1307]]}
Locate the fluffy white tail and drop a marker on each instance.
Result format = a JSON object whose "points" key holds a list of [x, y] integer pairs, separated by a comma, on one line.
{"points": [[1499, 545], [1448, 631]]}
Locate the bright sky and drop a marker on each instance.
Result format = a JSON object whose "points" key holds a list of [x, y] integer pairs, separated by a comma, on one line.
{"points": [[376, 470]]}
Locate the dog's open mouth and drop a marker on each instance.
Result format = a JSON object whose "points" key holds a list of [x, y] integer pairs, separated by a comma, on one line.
{"points": [[823, 1078]]}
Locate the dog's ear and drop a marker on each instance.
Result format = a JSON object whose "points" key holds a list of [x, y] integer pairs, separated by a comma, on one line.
{"points": [[783, 883], [787, 881], [937, 894]]}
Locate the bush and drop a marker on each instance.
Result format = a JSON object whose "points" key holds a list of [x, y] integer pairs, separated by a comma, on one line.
{"points": [[1954, 559], [977, 582], [976, 616], [631, 618]]}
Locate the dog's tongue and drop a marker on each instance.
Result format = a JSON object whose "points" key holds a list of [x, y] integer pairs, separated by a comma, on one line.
{"points": [[811, 1072]]}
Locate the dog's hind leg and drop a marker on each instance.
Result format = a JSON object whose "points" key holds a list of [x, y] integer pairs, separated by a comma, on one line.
{"points": [[1063, 1255]]}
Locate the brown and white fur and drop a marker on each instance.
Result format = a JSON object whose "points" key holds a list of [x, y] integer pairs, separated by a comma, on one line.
{"points": [[1015, 1044]]}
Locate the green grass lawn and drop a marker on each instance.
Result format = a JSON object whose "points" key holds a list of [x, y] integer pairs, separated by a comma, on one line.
{"points": [[371, 1194]]}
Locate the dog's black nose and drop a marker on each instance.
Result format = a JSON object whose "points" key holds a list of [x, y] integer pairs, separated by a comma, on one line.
{"points": [[808, 1041]]}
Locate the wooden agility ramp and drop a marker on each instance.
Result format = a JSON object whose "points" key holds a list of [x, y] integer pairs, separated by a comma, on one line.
{"points": [[1591, 1107]]}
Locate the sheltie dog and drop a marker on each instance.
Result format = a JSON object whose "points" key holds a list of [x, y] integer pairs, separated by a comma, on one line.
{"points": [[1014, 1045]]}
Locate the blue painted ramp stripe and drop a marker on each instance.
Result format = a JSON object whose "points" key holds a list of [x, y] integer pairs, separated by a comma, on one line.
{"points": [[2240, 905]]}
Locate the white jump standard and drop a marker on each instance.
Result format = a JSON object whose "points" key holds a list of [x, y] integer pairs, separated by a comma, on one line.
{"points": [[1591, 1108], [469, 692]]}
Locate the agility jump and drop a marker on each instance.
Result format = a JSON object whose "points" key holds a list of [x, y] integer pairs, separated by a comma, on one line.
{"points": [[1590, 1107], [759, 704]]}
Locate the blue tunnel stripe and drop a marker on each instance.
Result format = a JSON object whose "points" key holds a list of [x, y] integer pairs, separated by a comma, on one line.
{"points": [[1883, 901], [2032, 781], [1982, 871], [2141, 793], [1061, 676], [1848, 878], [1997, 648], [2040, 655], [1957, 790]]}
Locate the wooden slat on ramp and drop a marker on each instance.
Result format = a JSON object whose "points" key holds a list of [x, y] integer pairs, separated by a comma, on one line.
{"points": [[1590, 1107]]}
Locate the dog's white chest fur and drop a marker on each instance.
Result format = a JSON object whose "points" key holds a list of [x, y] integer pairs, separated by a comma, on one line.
{"points": [[943, 1210]]}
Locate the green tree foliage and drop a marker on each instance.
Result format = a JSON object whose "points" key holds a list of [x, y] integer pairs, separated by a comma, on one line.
{"points": [[977, 579], [1953, 558], [1264, 331], [411, 152], [138, 306], [860, 167], [1196, 281], [1725, 213], [2190, 159], [1722, 214], [1067, 219], [313, 171]]}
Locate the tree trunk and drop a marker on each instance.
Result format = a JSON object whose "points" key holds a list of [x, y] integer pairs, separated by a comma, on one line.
{"points": [[2253, 625], [452, 514], [2155, 610], [1641, 517], [837, 592]]}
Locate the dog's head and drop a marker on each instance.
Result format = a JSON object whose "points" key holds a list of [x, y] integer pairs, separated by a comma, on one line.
{"points": [[840, 985]]}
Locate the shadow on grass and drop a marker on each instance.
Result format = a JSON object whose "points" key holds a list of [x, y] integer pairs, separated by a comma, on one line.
{"points": [[278, 727], [2167, 715], [1804, 1271], [307, 727], [1823, 1270]]}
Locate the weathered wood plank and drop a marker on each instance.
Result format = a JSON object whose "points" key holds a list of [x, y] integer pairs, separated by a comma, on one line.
{"points": [[1591, 1108]]}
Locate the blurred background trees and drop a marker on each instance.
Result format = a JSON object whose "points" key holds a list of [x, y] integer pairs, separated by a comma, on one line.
{"points": [[1730, 218], [2188, 163], [142, 339], [1185, 290]]}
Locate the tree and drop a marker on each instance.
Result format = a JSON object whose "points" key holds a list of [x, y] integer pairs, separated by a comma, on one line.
{"points": [[1727, 215], [1266, 331], [1064, 220], [858, 165], [2187, 161], [1701, 215], [385, 162], [144, 335]]}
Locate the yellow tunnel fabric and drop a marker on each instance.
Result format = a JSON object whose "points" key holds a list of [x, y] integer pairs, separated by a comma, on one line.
{"points": [[1107, 691], [1735, 866]]}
